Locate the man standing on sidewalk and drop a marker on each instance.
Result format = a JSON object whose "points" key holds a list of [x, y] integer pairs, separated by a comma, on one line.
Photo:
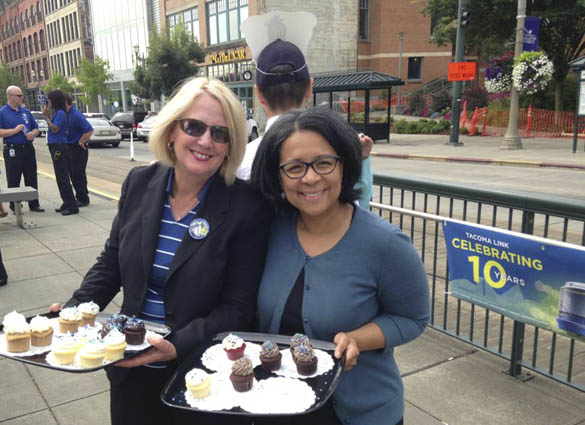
{"points": [[79, 132], [18, 128]]}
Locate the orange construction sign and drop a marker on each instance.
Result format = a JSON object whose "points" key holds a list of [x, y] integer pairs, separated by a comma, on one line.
{"points": [[461, 71]]}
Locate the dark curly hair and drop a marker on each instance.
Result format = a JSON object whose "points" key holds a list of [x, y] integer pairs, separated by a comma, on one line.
{"points": [[57, 98], [341, 136]]}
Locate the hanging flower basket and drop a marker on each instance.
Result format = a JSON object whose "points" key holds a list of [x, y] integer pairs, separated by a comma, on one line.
{"points": [[498, 73], [532, 72]]}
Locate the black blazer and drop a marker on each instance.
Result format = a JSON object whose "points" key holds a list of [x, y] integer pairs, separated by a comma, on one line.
{"points": [[212, 283]]}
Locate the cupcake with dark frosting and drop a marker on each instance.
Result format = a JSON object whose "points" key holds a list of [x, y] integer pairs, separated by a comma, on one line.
{"points": [[116, 321], [305, 360], [242, 375], [134, 331], [270, 356]]}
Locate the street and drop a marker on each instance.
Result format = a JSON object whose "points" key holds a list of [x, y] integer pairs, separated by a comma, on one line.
{"points": [[111, 165]]}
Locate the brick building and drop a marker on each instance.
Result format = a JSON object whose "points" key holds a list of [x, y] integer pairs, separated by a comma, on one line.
{"points": [[24, 48], [394, 38], [69, 35]]}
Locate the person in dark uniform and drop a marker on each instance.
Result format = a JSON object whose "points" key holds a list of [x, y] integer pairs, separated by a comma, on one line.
{"points": [[3, 274], [18, 128], [56, 118], [79, 131]]}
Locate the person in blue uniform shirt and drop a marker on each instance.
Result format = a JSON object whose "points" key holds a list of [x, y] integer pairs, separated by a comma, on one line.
{"points": [[79, 132], [18, 128], [56, 116]]}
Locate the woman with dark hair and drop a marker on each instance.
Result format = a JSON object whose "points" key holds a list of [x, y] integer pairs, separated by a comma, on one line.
{"points": [[334, 271], [56, 116]]}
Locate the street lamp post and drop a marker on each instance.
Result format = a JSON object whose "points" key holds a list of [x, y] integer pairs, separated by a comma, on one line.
{"points": [[37, 78], [512, 138]]}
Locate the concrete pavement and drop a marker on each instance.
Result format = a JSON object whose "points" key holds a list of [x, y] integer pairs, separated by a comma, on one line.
{"points": [[446, 381]]}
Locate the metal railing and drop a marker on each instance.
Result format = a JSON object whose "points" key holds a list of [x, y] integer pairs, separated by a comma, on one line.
{"points": [[401, 200]]}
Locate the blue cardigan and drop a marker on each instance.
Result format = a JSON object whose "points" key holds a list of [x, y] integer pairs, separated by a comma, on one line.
{"points": [[373, 274]]}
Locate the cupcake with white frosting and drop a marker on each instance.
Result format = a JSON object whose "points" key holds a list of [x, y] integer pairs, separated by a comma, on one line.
{"points": [[41, 331], [69, 320], [88, 312], [17, 332]]}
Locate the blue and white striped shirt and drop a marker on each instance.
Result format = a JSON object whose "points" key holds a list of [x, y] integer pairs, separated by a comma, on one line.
{"points": [[170, 236]]}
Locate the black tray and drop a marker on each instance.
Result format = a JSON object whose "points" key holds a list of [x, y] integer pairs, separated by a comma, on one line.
{"points": [[40, 359], [323, 385]]}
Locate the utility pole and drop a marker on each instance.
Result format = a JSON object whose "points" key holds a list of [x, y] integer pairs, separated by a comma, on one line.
{"points": [[400, 39], [512, 139], [462, 20]]}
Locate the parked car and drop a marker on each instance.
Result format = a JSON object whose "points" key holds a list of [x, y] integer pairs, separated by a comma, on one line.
{"points": [[104, 133], [252, 128], [128, 121], [96, 115], [40, 119], [144, 128]]}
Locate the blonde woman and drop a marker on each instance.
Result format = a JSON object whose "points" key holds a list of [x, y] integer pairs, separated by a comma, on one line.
{"points": [[187, 245]]}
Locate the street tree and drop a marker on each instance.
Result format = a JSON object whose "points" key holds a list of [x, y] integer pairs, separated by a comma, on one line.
{"points": [[172, 58], [492, 30], [561, 36], [58, 81], [7, 79], [93, 77]]}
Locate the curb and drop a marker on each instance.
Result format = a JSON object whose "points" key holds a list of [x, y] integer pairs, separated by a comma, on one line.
{"points": [[487, 161]]}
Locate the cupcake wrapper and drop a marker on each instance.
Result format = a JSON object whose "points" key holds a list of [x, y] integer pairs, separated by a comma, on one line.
{"points": [[17, 343]]}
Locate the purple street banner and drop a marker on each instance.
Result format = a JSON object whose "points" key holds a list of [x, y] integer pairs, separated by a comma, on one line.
{"points": [[530, 43], [530, 279]]}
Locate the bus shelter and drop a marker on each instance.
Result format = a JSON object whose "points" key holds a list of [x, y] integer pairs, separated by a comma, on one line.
{"points": [[364, 98]]}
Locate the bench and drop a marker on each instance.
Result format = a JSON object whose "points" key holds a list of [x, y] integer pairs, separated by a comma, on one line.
{"points": [[17, 195]]}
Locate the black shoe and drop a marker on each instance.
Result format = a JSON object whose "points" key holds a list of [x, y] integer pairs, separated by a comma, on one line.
{"points": [[58, 210], [67, 211], [37, 209], [3, 281], [82, 204]]}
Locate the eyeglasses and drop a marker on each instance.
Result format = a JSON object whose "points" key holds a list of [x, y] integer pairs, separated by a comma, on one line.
{"points": [[17, 95], [297, 169], [196, 128]]}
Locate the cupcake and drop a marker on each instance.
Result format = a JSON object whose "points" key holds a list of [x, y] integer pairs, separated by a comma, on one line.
{"points": [[270, 356], [17, 333], [297, 340], [198, 382], [115, 321], [69, 320], [134, 331], [88, 312], [115, 343], [234, 346], [65, 347], [305, 360], [242, 375], [87, 333], [92, 354], [41, 331]]}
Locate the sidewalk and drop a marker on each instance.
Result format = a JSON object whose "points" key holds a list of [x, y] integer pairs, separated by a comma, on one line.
{"points": [[446, 381], [536, 152]]}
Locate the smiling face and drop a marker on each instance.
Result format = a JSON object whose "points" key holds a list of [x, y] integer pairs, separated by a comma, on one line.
{"points": [[313, 195], [200, 157]]}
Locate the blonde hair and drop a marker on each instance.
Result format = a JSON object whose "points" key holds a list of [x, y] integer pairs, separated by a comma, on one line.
{"points": [[180, 102]]}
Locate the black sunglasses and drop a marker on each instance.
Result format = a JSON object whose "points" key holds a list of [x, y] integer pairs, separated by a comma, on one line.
{"points": [[196, 128]]}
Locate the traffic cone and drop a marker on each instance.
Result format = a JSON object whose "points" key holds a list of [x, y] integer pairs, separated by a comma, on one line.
{"points": [[474, 117], [463, 118]]}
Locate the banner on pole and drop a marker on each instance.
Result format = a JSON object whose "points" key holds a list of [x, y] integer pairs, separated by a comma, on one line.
{"points": [[529, 279], [530, 41]]}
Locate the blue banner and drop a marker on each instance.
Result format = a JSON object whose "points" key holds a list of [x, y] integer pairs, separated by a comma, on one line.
{"points": [[530, 43], [532, 280]]}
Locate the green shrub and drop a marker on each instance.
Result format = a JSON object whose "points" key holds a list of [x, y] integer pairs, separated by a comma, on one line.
{"points": [[421, 127], [463, 130], [441, 100], [417, 103], [476, 97]]}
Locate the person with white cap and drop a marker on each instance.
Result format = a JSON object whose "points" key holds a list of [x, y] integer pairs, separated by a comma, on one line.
{"points": [[283, 81]]}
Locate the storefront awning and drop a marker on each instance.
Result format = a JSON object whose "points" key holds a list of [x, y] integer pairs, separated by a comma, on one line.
{"points": [[360, 80]]}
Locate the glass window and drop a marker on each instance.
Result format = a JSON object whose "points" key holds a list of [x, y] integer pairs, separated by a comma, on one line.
{"points": [[364, 19], [415, 68], [224, 18], [189, 18]]}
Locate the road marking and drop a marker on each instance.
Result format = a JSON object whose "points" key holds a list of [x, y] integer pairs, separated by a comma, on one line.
{"points": [[89, 189]]}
